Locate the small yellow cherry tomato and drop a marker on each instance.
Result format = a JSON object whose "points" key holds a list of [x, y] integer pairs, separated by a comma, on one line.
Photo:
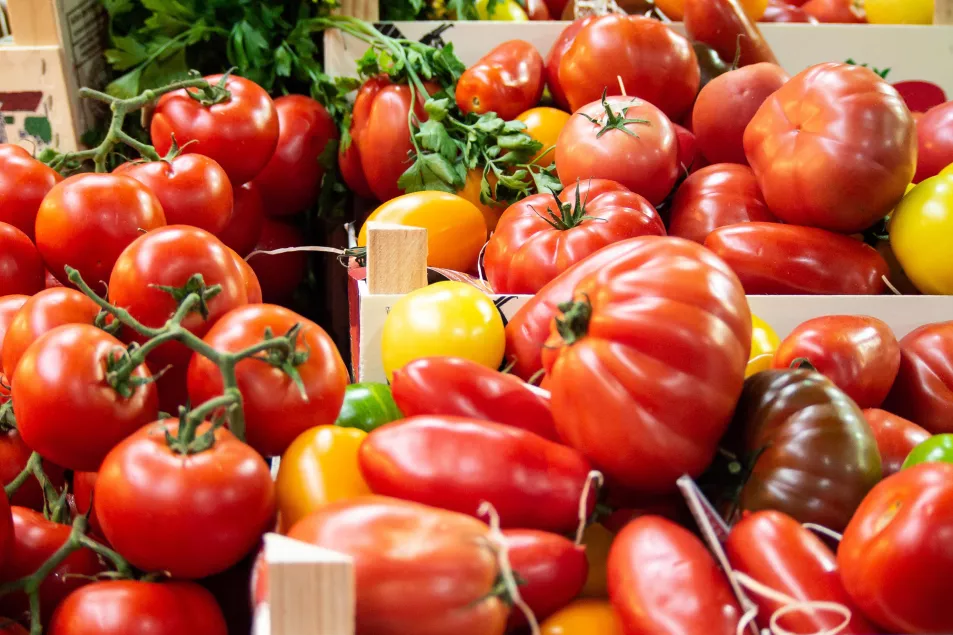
{"points": [[583, 617], [471, 192], [544, 125], [506, 10], [319, 467], [899, 11], [451, 319], [597, 540], [921, 234], [764, 343], [456, 231]]}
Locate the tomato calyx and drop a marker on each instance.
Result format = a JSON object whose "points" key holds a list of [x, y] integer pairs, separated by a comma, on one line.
{"points": [[286, 358], [8, 420], [194, 286], [615, 120], [186, 441], [570, 214], [212, 94], [574, 323], [803, 363]]}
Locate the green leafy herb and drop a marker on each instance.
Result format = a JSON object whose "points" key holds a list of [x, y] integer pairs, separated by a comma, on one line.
{"points": [[882, 72]]}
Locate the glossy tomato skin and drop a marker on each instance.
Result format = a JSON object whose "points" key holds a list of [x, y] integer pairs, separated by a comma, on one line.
{"points": [[716, 196], [543, 124], [835, 11], [555, 56], [778, 552], [582, 617], [252, 285], [655, 64], [279, 275], [10, 305], [764, 344], [240, 133], [859, 134], [771, 259], [553, 567], [6, 530], [21, 268], [192, 188], [276, 412], [938, 448], [83, 486], [904, 588], [24, 182], [462, 388], [419, 459], [367, 406], [291, 181], [66, 409], [211, 510], [722, 25], [816, 456], [662, 580], [640, 326], [934, 141], [450, 567], [244, 227], [727, 104], [507, 81], [858, 353], [349, 154], [920, 235], [923, 390], [896, 437], [643, 160], [14, 455], [783, 12]]}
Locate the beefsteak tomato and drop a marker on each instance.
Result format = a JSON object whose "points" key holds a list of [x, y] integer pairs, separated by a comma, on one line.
{"points": [[507, 81], [555, 58], [923, 390]]}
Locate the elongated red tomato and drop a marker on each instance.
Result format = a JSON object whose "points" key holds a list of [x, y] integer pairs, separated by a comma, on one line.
{"points": [[532, 483], [462, 388], [21, 268], [349, 153], [541, 236], [555, 57], [896, 437], [24, 182], [647, 362], [725, 27], [508, 81], [923, 390], [663, 581]]}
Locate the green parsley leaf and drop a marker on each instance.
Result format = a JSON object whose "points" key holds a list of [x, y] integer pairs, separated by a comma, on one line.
{"points": [[433, 136], [428, 173]]}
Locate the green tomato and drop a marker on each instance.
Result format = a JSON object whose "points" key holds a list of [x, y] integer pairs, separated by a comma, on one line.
{"points": [[936, 449], [367, 407]]}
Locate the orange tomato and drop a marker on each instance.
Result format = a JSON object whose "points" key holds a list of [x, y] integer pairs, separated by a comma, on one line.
{"points": [[598, 541], [583, 617], [674, 9], [544, 125], [471, 192]]}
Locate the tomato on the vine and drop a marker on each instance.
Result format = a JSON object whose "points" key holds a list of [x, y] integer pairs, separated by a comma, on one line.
{"points": [[83, 486], [252, 284], [278, 274], [21, 268], [508, 80], [14, 455], [248, 214], [24, 182]]}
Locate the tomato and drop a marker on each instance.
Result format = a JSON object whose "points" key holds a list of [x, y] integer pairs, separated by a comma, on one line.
{"points": [[597, 540], [537, 10], [583, 617], [923, 390], [121, 607], [555, 56], [814, 457], [240, 132], [193, 190], [724, 26], [688, 157], [41, 314], [276, 409], [553, 568], [12, 628], [319, 467], [244, 228], [627, 140], [934, 142], [291, 180], [252, 285], [782, 11], [921, 233], [14, 455], [640, 333], [544, 125], [6, 530], [654, 63], [367, 406], [663, 580], [764, 343], [535, 241], [463, 388], [66, 408], [21, 268], [727, 104], [471, 192], [449, 567], [556, 7], [279, 275], [349, 152], [83, 485], [716, 196], [899, 11], [673, 9], [24, 182], [507, 10], [775, 550], [35, 540], [51, 281], [507, 81], [836, 11], [456, 231], [447, 318], [896, 437], [770, 259], [10, 305], [903, 588], [935, 449]]}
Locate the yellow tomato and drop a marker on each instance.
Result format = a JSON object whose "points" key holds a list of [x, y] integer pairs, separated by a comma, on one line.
{"points": [[319, 467], [445, 319], [471, 192], [456, 231], [899, 11], [583, 617], [674, 9], [921, 234], [754, 8], [764, 343], [506, 10], [597, 540], [544, 125]]}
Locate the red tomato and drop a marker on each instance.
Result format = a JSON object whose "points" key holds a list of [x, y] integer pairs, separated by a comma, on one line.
{"points": [[920, 96], [858, 353], [556, 6], [534, 242], [555, 58], [122, 607], [687, 148], [36, 539], [655, 64], [252, 286], [6, 530], [537, 10], [248, 214], [41, 314], [14, 455], [781, 11], [532, 482], [10, 305], [276, 411], [279, 275], [21, 268], [291, 181], [106, 210], [459, 387], [725, 106], [663, 580], [716, 196], [24, 182], [896, 437], [349, 153], [508, 81], [211, 510], [935, 141], [725, 27], [836, 11], [452, 572], [553, 568], [775, 550], [240, 133], [834, 148], [640, 155], [83, 485], [904, 588], [647, 362], [51, 281], [923, 390], [782, 259]]}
